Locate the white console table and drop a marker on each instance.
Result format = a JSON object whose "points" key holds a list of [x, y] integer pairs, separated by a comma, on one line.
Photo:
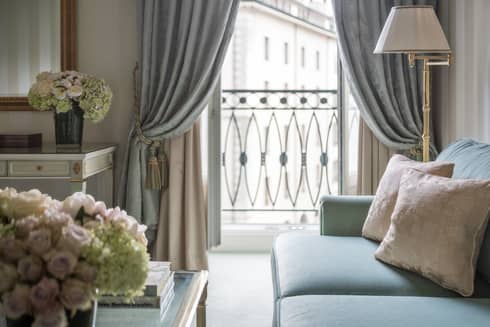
{"points": [[49, 162]]}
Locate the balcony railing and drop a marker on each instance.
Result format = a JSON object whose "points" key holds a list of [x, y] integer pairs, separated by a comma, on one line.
{"points": [[280, 154]]}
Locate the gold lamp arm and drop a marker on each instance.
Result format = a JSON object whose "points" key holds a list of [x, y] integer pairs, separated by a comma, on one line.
{"points": [[428, 60]]}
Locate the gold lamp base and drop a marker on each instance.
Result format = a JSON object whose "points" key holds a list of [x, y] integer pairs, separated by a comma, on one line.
{"points": [[429, 60]]}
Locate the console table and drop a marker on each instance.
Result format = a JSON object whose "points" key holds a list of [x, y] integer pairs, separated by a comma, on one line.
{"points": [[49, 162]]}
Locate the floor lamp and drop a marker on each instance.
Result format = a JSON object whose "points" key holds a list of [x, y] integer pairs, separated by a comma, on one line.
{"points": [[416, 31]]}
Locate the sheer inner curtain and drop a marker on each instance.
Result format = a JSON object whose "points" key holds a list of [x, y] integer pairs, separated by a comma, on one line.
{"points": [[184, 43], [387, 91]]}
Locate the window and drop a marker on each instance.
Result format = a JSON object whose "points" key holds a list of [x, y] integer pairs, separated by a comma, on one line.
{"points": [[266, 48], [286, 53], [281, 66], [303, 57], [318, 60]]}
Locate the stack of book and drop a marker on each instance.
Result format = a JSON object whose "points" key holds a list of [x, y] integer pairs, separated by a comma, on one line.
{"points": [[159, 290]]}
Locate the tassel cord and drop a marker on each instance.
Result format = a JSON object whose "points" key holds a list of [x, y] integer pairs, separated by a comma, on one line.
{"points": [[157, 160]]}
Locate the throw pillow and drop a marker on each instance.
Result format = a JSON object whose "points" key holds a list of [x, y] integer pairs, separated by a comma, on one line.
{"points": [[437, 228], [379, 215]]}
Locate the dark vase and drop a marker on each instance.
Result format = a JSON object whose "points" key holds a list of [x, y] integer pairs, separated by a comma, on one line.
{"points": [[80, 319], [69, 127]]}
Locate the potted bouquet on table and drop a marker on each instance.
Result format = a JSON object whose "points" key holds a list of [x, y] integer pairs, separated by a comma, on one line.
{"points": [[57, 257], [73, 97]]}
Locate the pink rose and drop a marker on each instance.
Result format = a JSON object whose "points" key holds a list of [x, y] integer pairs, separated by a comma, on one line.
{"points": [[66, 83], [24, 226], [73, 204], [61, 264], [120, 218], [85, 272], [12, 249], [141, 237], [53, 317], [39, 241], [8, 277], [76, 295], [16, 303], [29, 203], [43, 294], [100, 208], [114, 213], [30, 268], [6, 196], [55, 218], [74, 238]]}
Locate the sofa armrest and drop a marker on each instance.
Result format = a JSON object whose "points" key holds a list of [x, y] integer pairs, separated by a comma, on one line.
{"points": [[343, 215]]}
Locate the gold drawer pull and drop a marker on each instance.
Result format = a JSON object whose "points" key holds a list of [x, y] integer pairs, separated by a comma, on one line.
{"points": [[39, 168]]}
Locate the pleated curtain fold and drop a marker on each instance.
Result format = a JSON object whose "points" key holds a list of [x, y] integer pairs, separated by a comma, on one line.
{"points": [[184, 43], [373, 159], [182, 228], [386, 89]]}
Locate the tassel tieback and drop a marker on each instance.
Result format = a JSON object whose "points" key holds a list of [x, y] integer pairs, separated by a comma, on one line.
{"points": [[157, 167]]}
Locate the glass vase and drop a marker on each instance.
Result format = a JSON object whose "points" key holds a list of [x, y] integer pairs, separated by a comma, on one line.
{"points": [[69, 127]]}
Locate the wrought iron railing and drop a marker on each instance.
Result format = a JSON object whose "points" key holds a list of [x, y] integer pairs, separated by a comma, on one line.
{"points": [[280, 149]]}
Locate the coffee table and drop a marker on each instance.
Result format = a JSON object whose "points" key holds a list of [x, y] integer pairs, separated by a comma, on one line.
{"points": [[188, 308]]}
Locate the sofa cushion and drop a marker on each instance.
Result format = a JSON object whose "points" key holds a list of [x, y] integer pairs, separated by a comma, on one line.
{"points": [[379, 215], [312, 264], [393, 311], [437, 228], [472, 161]]}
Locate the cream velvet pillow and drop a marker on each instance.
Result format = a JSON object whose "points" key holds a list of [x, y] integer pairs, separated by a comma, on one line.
{"points": [[379, 216], [437, 228]]}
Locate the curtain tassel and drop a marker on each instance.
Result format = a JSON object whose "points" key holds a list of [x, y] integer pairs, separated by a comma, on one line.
{"points": [[163, 163], [153, 175]]}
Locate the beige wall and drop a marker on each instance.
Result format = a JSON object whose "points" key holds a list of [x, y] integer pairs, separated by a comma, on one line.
{"points": [[108, 47], [462, 98]]}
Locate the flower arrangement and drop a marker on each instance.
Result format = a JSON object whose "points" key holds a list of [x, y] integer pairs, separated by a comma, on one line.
{"points": [[56, 257], [58, 91]]}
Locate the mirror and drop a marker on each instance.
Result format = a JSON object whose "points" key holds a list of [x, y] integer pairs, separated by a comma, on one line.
{"points": [[35, 36]]}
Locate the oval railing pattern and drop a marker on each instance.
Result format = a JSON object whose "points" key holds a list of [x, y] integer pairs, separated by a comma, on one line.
{"points": [[280, 148]]}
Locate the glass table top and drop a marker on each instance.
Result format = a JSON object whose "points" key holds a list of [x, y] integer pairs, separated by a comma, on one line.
{"points": [[189, 286], [185, 282]]}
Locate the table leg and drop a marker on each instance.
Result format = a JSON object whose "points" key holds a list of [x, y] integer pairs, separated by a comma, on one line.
{"points": [[78, 186], [201, 309]]}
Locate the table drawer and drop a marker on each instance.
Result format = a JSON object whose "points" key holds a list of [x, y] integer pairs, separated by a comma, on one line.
{"points": [[39, 168], [3, 168]]}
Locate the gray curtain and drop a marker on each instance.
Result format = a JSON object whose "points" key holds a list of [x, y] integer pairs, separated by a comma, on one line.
{"points": [[387, 91], [184, 43]]}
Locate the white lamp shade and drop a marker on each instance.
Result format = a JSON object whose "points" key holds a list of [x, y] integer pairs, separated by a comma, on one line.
{"points": [[412, 29]]}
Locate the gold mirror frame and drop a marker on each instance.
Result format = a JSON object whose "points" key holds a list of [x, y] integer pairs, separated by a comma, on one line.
{"points": [[68, 44]]}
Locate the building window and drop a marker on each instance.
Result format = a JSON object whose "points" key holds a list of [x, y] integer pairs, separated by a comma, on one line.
{"points": [[266, 85], [318, 60], [286, 53], [303, 57], [266, 48]]}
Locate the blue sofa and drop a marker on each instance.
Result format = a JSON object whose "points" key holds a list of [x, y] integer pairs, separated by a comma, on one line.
{"points": [[333, 279]]}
